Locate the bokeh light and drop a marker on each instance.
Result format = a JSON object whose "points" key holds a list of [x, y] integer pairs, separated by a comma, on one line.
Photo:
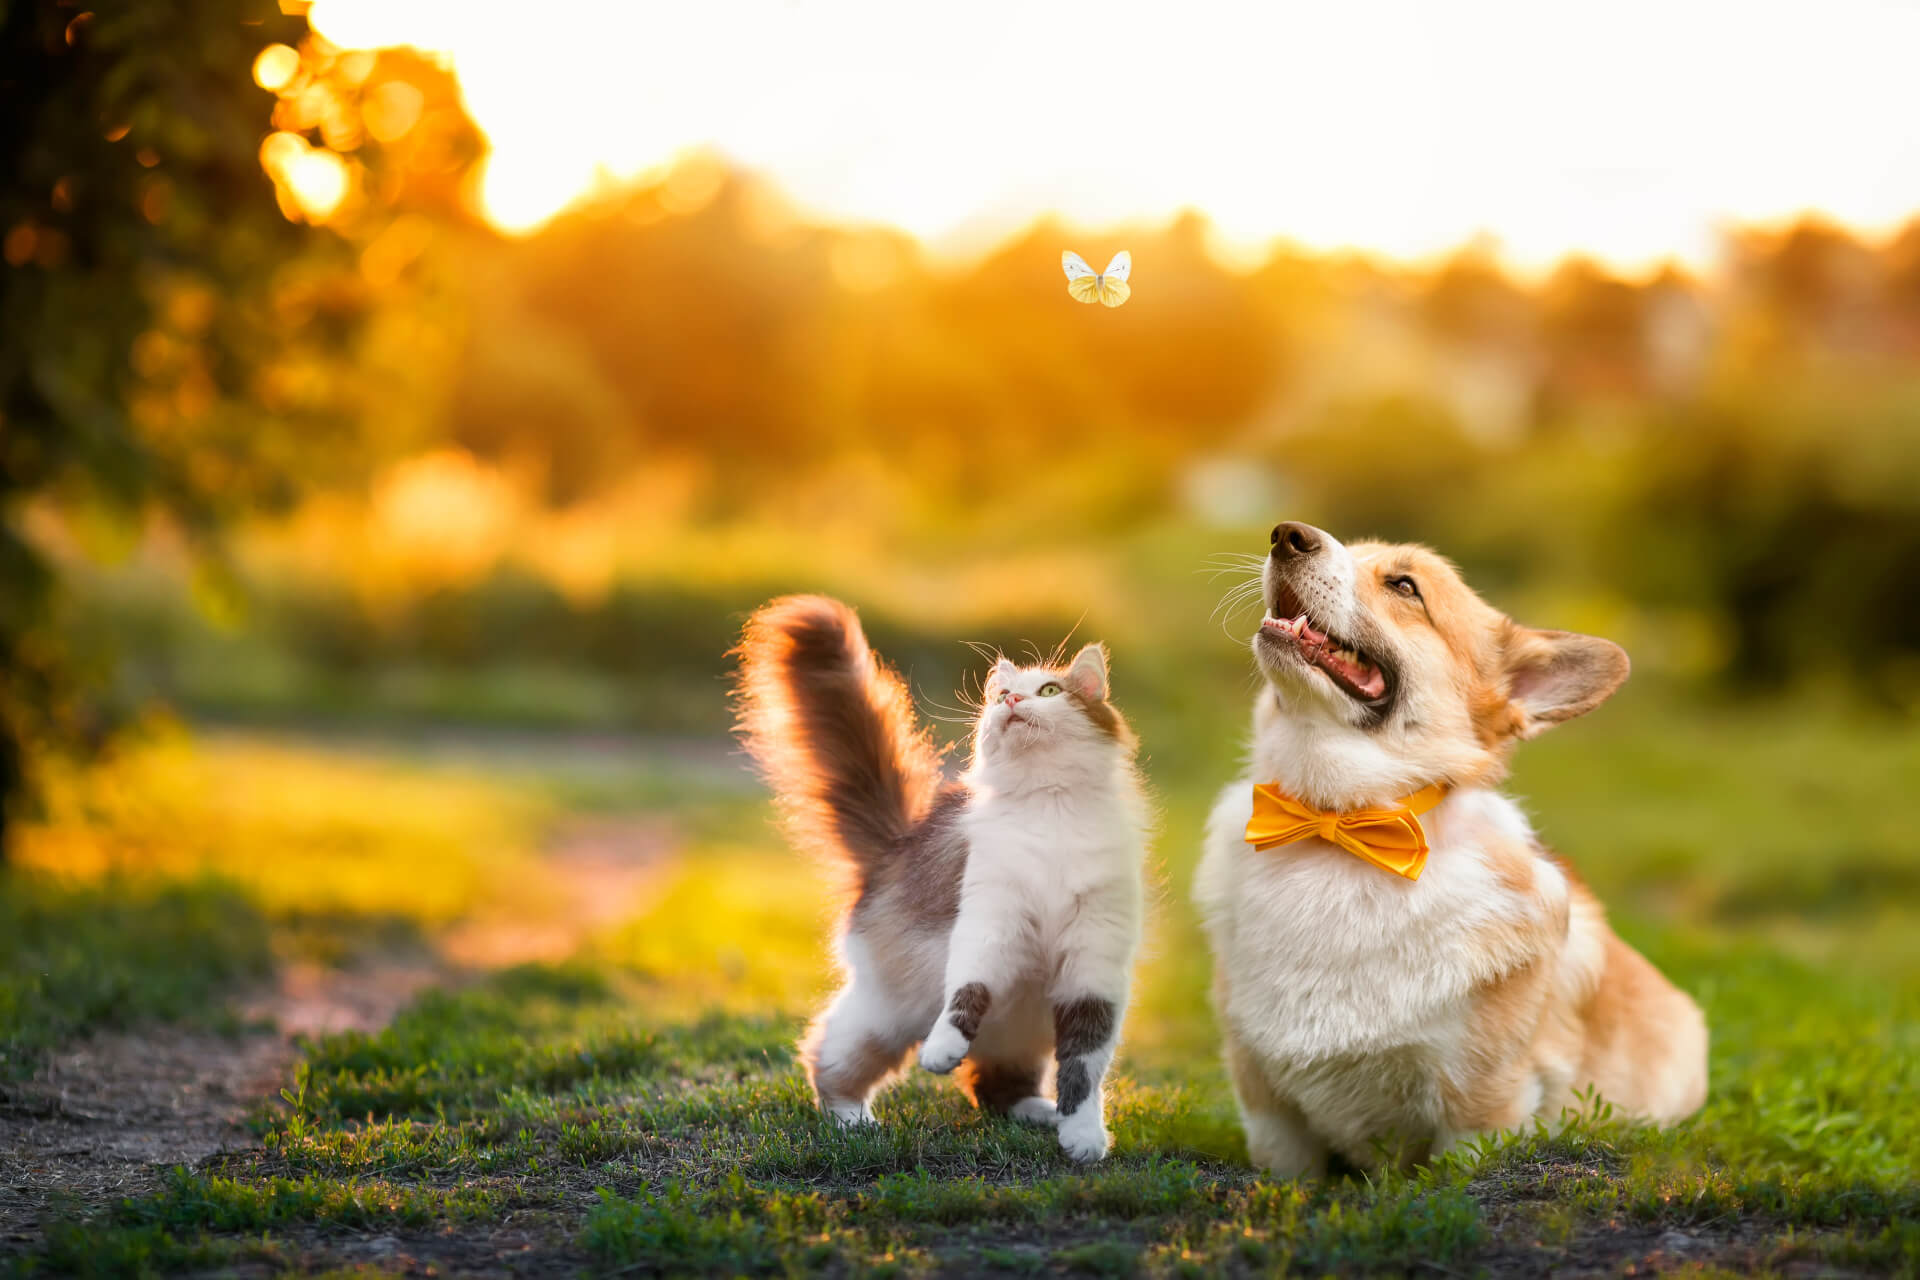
{"points": [[319, 181], [312, 181], [276, 67]]}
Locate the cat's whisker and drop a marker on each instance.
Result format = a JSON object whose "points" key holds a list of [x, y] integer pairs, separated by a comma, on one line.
{"points": [[1059, 656], [989, 652], [966, 713]]}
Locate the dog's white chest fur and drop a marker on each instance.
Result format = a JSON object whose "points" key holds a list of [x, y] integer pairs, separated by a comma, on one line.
{"points": [[1349, 982]]}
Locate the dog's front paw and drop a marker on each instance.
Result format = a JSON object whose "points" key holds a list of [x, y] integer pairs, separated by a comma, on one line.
{"points": [[1083, 1136], [943, 1048]]}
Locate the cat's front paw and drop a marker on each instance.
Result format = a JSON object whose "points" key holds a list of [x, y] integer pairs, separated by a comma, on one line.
{"points": [[943, 1048], [1083, 1137], [850, 1115]]}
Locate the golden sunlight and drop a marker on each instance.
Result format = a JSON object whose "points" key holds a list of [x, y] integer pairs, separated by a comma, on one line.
{"points": [[1632, 132]]}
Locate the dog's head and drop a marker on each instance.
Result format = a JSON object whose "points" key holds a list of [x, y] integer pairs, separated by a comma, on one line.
{"points": [[1385, 672]]}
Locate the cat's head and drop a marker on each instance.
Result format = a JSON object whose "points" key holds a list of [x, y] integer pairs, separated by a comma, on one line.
{"points": [[1028, 714]]}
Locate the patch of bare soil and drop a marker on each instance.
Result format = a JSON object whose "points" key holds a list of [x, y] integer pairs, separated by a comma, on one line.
{"points": [[506, 1249], [1526, 1244], [105, 1118], [1618, 1248]]}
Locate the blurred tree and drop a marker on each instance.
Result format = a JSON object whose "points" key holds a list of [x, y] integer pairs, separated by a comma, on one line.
{"points": [[1596, 334], [1471, 301], [143, 318], [668, 298], [1818, 284]]}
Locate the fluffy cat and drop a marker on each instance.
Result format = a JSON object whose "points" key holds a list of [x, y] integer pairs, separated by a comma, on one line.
{"points": [[995, 918]]}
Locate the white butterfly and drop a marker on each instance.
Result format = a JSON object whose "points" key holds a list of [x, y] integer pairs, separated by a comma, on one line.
{"points": [[1109, 287]]}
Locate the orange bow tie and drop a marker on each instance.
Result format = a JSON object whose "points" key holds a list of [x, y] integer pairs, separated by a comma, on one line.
{"points": [[1391, 839]]}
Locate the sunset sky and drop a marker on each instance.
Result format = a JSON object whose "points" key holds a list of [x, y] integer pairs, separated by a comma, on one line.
{"points": [[1629, 130]]}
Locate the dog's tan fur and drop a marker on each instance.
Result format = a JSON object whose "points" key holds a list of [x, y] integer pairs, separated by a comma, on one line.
{"points": [[1530, 999]]}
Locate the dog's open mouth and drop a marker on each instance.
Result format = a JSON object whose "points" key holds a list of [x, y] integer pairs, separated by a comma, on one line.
{"points": [[1351, 670]]}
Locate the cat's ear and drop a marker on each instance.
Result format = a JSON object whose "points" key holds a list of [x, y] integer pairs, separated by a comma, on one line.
{"points": [[1088, 674], [1002, 672]]}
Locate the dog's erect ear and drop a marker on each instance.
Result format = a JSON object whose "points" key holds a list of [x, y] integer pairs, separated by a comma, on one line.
{"points": [[1557, 675], [1088, 674]]}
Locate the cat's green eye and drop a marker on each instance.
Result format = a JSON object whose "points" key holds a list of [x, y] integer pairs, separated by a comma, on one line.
{"points": [[1051, 689]]}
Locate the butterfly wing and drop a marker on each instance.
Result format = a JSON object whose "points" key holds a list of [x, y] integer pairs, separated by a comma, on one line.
{"points": [[1082, 284], [1121, 267], [1114, 290]]}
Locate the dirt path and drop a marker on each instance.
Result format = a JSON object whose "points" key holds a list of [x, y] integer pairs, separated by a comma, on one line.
{"points": [[601, 870], [108, 1116]]}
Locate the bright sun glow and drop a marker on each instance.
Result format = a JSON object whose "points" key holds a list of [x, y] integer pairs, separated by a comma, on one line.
{"points": [[1630, 130]]}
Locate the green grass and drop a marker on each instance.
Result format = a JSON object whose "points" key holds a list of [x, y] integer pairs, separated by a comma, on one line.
{"points": [[77, 957], [637, 1110]]}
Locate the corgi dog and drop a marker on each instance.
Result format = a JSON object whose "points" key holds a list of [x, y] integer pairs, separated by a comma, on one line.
{"points": [[1399, 963]]}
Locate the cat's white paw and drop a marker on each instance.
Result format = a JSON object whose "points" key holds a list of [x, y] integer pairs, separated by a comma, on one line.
{"points": [[1036, 1110], [1082, 1136], [943, 1048], [851, 1115]]}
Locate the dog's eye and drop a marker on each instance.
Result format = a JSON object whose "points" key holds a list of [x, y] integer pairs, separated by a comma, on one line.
{"points": [[1405, 586]]}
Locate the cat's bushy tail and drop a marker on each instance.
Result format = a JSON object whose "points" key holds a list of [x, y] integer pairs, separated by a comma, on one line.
{"points": [[833, 730]]}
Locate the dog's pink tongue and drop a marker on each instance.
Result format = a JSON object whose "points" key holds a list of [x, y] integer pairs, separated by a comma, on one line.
{"points": [[1363, 676]]}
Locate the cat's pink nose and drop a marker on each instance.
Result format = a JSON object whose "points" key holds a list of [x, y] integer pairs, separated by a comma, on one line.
{"points": [[1012, 698]]}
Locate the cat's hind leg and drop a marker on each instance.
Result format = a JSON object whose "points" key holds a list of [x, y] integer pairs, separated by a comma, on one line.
{"points": [[855, 1045], [1089, 996], [1003, 1072], [1087, 1032], [1008, 1088]]}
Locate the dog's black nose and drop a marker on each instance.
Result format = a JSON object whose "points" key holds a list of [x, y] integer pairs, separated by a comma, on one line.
{"points": [[1291, 539]]}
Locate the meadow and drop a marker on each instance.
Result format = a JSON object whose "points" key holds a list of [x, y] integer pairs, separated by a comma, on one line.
{"points": [[379, 892], [618, 1094]]}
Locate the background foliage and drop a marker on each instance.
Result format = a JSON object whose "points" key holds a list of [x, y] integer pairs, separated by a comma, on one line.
{"points": [[538, 478]]}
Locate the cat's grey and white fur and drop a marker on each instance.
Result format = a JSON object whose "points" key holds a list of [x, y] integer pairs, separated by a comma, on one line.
{"points": [[994, 918]]}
